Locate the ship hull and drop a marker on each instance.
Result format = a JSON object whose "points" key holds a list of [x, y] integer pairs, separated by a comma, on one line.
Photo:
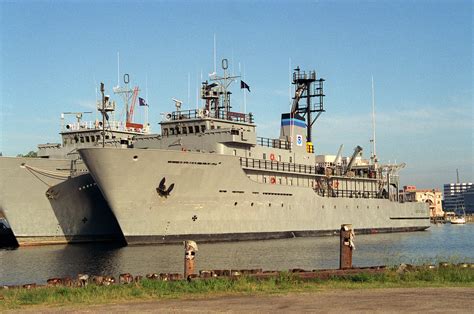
{"points": [[45, 206], [213, 199]]}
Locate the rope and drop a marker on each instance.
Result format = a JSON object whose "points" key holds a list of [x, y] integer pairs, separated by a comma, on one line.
{"points": [[48, 173]]}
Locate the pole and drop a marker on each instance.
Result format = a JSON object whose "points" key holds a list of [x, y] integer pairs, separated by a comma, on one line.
{"points": [[147, 103], [346, 246], [190, 249]]}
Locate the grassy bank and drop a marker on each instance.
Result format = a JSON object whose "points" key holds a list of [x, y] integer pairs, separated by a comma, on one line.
{"points": [[285, 282]]}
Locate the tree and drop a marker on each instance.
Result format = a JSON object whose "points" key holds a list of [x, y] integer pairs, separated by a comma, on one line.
{"points": [[30, 154]]}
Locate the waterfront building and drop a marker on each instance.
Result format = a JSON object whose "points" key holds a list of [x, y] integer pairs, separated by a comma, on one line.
{"points": [[454, 196], [469, 200], [432, 197]]}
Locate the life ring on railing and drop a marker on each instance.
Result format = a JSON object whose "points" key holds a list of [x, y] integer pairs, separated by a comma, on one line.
{"points": [[335, 184], [273, 180], [272, 157]]}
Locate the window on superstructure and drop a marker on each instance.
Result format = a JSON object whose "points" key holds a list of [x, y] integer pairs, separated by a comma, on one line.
{"points": [[212, 127], [185, 130], [92, 138], [235, 152], [107, 137], [64, 142], [165, 132], [82, 139], [88, 139], [171, 131], [98, 138], [190, 129], [196, 129], [178, 131], [264, 179], [279, 157], [203, 128], [291, 159], [264, 156]]}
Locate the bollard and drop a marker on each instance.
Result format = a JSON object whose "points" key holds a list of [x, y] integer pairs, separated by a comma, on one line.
{"points": [[346, 246], [190, 249]]}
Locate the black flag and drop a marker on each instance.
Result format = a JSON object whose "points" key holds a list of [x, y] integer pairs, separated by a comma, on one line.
{"points": [[244, 85]]}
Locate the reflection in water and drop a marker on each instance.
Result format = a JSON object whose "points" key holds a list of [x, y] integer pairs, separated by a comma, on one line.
{"points": [[37, 264]]}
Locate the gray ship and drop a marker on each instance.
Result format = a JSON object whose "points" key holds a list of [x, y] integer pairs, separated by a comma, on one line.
{"points": [[52, 198], [208, 177]]}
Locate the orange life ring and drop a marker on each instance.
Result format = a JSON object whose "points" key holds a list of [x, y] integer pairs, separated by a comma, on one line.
{"points": [[272, 157], [273, 180]]}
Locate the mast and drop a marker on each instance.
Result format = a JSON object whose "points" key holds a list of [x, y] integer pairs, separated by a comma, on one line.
{"points": [[374, 152], [102, 90], [309, 87]]}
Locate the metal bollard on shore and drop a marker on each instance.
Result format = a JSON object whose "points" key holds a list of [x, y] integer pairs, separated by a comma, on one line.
{"points": [[190, 249], [346, 246]]}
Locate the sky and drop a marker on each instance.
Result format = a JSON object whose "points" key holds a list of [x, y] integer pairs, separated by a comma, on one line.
{"points": [[54, 54]]}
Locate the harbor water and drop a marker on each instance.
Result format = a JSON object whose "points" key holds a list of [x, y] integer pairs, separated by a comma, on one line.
{"points": [[36, 264]]}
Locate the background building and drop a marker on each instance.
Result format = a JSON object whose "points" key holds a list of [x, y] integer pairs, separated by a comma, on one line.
{"points": [[454, 197], [432, 197], [469, 200]]}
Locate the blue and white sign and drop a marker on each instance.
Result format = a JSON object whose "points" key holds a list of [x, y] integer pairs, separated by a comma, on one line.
{"points": [[299, 140]]}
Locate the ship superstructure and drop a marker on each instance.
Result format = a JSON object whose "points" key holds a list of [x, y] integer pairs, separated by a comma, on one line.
{"points": [[53, 198], [207, 176]]}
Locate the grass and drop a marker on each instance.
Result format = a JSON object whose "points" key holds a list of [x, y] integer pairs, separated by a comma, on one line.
{"points": [[284, 283]]}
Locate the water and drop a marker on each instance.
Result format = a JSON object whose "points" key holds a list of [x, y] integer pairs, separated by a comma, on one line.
{"points": [[37, 264]]}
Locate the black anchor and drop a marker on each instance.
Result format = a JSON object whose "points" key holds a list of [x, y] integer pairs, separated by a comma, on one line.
{"points": [[161, 189]]}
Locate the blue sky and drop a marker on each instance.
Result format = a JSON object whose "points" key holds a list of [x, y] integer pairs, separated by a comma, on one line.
{"points": [[55, 53]]}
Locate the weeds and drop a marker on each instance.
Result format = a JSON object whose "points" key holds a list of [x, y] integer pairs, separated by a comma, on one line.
{"points": [[284, 282]]}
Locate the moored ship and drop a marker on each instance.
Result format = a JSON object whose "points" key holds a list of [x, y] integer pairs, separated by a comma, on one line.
{"points": [[208, 177], [52, 199]]}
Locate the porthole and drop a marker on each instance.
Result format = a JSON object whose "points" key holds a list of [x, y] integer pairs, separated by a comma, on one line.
{"points": [[269, 204], [251, 204], [235, 204], [135, 158]]}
